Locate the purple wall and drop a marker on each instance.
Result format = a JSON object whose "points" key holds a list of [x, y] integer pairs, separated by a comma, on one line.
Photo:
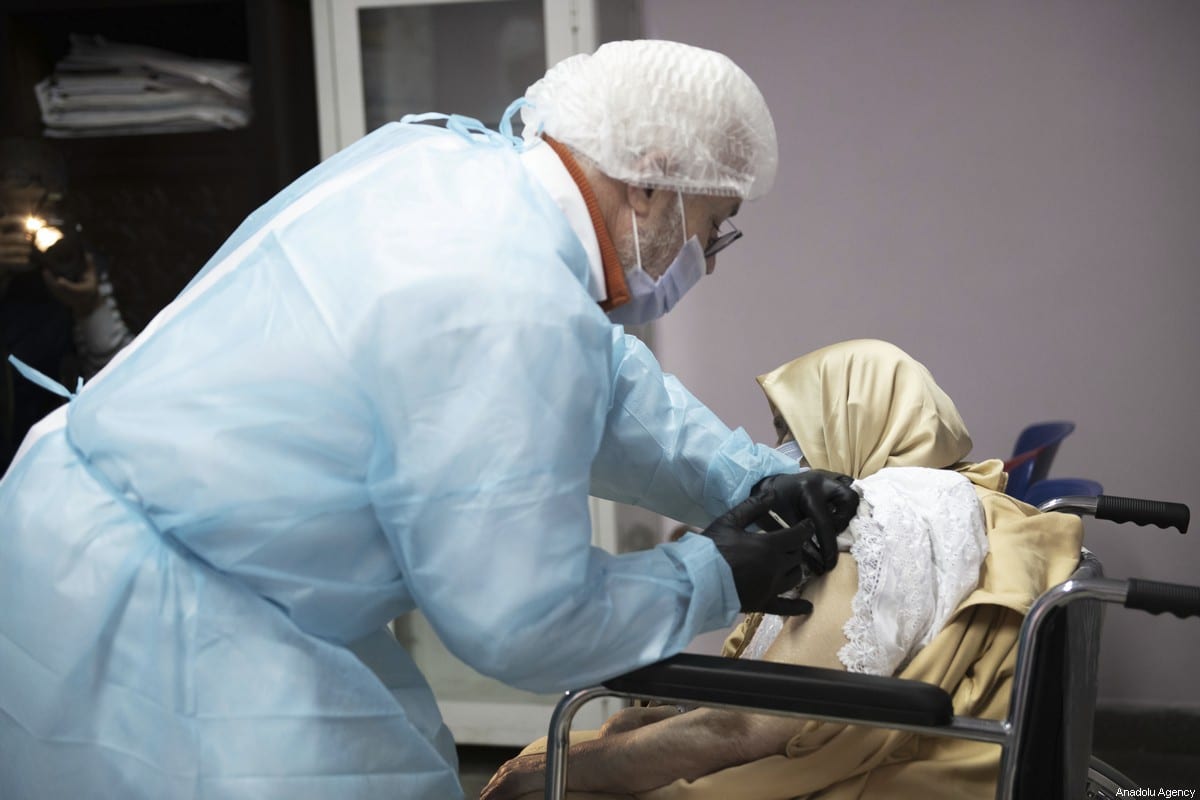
{"points": [[1009, 191]]}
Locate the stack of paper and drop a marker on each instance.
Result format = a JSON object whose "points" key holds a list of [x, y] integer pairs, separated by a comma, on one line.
{"points": [[104, 88]]}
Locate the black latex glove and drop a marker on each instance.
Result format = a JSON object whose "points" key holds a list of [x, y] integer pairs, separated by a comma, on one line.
{"points": [[765, 563], [823, 498]]}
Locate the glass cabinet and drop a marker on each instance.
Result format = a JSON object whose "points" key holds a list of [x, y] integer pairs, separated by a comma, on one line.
{"points": [[377, 60]]}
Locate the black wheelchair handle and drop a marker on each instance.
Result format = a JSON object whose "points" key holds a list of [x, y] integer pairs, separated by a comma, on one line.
{"points": [[1143, 512], [1156, 597]]}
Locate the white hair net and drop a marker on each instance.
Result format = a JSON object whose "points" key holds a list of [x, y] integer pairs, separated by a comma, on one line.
{"points": [[662, 115]]}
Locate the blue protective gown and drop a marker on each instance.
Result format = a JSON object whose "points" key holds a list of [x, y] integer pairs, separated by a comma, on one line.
{"points": [[389, 390]]}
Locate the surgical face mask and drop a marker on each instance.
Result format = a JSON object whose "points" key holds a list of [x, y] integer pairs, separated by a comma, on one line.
{"points": [[650, 299], [790, 450]]}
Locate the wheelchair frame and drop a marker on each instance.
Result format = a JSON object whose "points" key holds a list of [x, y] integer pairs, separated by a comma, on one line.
{"points": [[1044, 744]]}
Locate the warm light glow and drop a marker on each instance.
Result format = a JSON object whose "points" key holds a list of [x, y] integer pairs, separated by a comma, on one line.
{"points": [[34, 224], [46, 237]]}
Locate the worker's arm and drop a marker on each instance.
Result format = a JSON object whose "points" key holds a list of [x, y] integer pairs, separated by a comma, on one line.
{"points": [[481, 482], [665, 450]]}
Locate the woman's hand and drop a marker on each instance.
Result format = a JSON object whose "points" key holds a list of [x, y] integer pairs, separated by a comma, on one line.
{"points": [[628, 719], [15, 243], [517, 777]]}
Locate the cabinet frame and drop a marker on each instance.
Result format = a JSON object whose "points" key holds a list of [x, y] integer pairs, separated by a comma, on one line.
{"points": [[571, 26]]}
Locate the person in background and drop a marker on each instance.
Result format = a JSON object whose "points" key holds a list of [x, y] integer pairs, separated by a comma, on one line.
{"points": [[59, 318], [943, 566]]}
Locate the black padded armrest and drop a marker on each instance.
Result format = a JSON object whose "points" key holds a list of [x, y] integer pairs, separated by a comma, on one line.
{"points": [[770, 686]]}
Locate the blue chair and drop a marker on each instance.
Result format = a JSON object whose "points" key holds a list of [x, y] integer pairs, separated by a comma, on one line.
{"points": [[1033, 454], [1051, 488]]}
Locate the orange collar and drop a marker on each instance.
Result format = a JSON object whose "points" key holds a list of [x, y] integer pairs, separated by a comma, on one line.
{"points": [[616, 290]]}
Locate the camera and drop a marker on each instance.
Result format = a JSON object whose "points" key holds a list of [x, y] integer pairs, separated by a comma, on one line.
{"points": [[58, 246]]}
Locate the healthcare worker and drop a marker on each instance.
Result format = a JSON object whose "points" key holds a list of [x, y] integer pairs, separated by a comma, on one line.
{"points": [[393, 388]]}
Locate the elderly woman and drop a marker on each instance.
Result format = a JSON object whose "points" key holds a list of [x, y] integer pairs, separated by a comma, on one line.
{"points": [[942, 568]]}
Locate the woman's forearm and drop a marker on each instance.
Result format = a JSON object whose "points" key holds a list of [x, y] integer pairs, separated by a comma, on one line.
{"points": [[685, 746]]}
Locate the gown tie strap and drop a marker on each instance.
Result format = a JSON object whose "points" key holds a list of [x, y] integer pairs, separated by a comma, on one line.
{"points": [[49, 384]]}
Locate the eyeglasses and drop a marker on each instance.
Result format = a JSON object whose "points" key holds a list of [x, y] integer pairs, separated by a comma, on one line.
{"points": [[731, 234]]}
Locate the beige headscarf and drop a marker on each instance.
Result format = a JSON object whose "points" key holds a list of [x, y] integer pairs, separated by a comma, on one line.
{"points": [[859, 406]]}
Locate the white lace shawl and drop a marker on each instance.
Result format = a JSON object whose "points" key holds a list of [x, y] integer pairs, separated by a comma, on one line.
{"points": [[919, 541]]}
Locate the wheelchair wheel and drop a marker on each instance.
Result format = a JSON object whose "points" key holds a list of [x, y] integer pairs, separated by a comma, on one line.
{"points": [[1103, 781]]}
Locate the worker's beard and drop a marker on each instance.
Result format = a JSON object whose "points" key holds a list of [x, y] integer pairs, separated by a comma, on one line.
{"points": [[659, 244]]}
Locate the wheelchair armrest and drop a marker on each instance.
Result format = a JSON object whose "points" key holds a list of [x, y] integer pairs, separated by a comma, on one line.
{"points": [[770, 686]]}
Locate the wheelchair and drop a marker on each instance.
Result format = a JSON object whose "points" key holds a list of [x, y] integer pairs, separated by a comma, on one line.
{"points": [[1045, 739]]}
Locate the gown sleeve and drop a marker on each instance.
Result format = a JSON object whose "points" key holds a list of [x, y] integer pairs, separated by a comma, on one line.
{"points": [[666, 451], [490, 413]]}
